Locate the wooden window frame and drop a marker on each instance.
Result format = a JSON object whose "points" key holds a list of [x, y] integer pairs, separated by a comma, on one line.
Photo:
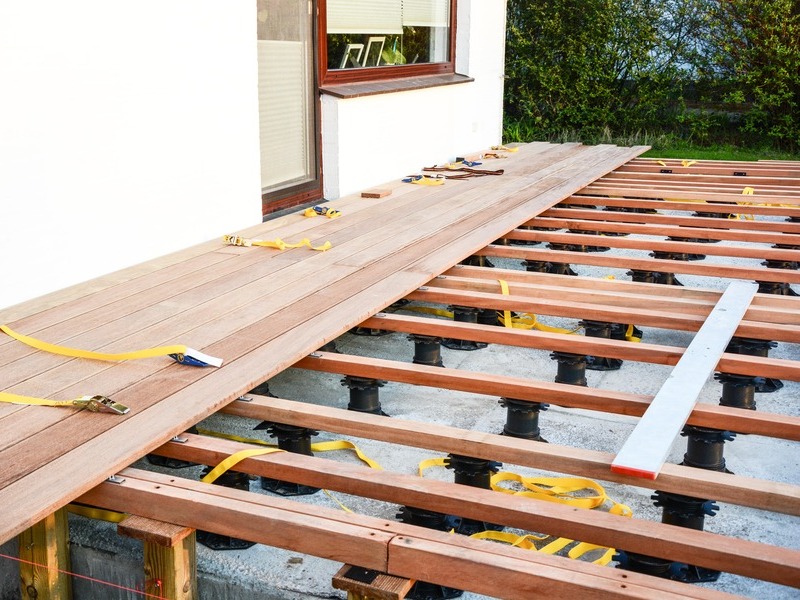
{"points": [[329, 77]]}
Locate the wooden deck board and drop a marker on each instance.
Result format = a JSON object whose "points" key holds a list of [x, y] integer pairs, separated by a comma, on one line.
{"points": [[259, 318]]}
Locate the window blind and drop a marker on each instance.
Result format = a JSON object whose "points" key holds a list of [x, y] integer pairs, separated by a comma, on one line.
{"points": [[426, 13], [365, 16], [282, 116]]}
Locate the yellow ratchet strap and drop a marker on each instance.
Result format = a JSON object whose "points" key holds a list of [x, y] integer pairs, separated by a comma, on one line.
{"points": [[505, 149], [279, 244], [99, 514], [506, 313], [345, 445], [526, 542], [235, 459], [747, 191], [563, 490], [317, 447], [322, 211], [91, 403], [629, 336], [688, 163], [527, 320], [424, 465], [180, 353]]}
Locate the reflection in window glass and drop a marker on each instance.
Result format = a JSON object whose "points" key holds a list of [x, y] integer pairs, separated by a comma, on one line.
{"points": [[380, 33]]}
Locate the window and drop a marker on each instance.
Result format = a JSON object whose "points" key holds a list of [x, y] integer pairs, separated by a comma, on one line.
{"points": [[380, 39]]}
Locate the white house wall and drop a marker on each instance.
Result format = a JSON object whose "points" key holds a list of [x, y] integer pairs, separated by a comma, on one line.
{"points": [[372, 139], [127, 130]]}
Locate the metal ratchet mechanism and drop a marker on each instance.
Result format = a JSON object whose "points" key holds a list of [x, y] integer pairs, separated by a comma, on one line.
{"points": [[101, 404]]}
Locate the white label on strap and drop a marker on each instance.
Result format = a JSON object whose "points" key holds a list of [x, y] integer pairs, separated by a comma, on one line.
{"points": [[211, 361]]}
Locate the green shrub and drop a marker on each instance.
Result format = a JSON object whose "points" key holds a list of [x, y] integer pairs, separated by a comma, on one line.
{"points": [[708, 71]]}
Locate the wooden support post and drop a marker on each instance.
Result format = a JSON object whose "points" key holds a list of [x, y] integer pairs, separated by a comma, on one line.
{"points": [[366, 584], [170, 562], [44, 559]]}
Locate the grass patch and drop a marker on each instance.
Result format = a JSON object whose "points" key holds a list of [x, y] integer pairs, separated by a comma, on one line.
{"points": [[664, 145], [723, 152]]}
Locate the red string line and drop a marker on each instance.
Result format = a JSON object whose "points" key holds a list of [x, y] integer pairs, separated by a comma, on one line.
{"points": [[86, 577]]}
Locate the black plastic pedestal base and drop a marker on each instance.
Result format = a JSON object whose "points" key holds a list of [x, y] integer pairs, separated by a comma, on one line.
{"points": [[287, 488], [222, 542], [658, 567]]}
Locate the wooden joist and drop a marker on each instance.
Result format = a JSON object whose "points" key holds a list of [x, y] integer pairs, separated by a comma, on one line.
{"points": [[645, 264], [376, 544], [702, 548], [769, 310], [730, 208], [535, 390], [755, 366], [651, 317], [621, 190], [553, 458]]}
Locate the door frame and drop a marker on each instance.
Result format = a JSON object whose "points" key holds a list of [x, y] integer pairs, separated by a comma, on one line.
{"points": [[309, 191]]}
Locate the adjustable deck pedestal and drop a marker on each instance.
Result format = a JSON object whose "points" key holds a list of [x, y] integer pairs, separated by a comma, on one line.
{"points": [[522, 419], [464, 314], [291, 439], [423, 590], [216, 541], [427, 350], [571, 368], [475, 472], [364, 394]]}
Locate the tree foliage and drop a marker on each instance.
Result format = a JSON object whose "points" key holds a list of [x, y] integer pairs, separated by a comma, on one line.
{"points": [[589, 65], [752, 57]]}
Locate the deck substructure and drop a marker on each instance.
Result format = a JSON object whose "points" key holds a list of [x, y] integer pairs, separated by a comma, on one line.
{"points": [[265, 311]]}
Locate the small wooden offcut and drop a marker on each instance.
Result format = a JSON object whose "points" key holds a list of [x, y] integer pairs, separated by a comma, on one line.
{"points": [[366, 584]]}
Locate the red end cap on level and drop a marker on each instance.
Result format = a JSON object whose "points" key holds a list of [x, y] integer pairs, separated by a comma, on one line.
{"points": [[623, 470]]}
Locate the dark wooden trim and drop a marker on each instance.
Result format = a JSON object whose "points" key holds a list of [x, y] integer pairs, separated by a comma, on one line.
{"points": [[341, 76], [310, 191], [293, 196]]}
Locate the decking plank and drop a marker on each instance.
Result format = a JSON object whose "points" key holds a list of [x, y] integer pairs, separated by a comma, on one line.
{"points": [[269, 331]]}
